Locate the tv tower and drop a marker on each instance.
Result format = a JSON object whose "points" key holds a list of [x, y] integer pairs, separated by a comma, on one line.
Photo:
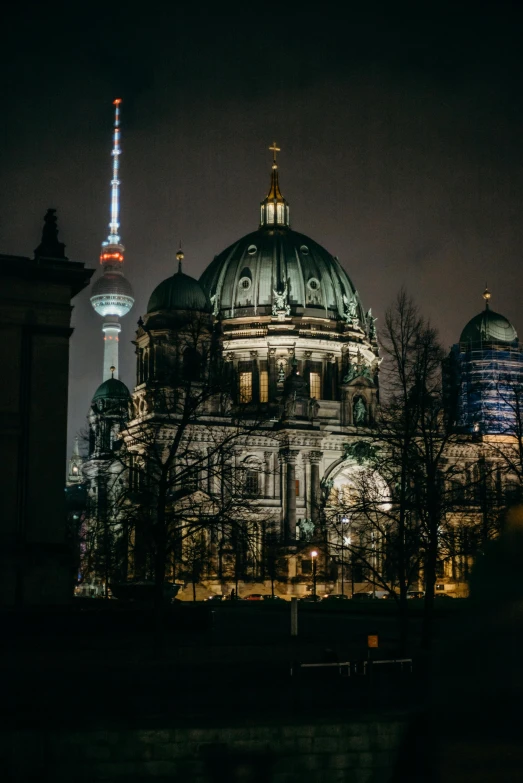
{"points": [[112, 295]]}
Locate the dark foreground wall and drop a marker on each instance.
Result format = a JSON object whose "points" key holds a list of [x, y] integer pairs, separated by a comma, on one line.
{"points": [[359, 751]]}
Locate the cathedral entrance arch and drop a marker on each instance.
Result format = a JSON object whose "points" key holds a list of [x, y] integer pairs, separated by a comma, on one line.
{"points": [[356, 521], [348, 480]]}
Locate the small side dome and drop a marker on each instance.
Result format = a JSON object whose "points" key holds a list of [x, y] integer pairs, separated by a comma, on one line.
{"points": [[112, 389], [489, 327], [179, 292]]}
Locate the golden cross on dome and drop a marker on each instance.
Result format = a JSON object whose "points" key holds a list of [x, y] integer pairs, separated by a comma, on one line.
{"points": [[274, 149]]}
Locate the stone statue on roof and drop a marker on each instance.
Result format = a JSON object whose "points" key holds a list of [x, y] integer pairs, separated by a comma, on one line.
{"points": [[351, 310], [50, 246], [280, 304]]}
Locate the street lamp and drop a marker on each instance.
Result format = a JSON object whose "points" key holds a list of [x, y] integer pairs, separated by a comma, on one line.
{"points": [[344, 521], [314, 555]]}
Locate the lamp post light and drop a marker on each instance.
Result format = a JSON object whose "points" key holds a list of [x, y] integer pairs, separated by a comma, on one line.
{"points": [[314, 555], [344, 521]]}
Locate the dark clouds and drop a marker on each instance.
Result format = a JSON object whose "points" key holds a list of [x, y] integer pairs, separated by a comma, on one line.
{"points": [[402, 146]]}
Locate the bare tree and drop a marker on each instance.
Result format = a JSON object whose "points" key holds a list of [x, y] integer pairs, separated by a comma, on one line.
{"points": [[179, 493], [402, 496]]}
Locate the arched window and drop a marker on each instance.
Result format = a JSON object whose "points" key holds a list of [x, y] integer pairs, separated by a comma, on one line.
{"points": [[192, 364]]}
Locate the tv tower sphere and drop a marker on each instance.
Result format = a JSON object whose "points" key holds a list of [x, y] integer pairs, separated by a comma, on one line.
{"points": [[112, 294]]}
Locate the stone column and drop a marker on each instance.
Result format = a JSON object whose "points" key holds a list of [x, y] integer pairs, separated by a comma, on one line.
{"points": [[290, 498], [273, 372], [255, 377], [314, 459]]}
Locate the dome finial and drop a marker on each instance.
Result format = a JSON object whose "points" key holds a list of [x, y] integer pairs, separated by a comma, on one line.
{"points": [[112, 370], [180, 256], [486, 296], [274, 149]]}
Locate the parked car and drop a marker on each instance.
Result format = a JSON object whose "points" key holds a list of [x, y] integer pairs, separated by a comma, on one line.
{"points": [[142, 590], [335, 597], [415, 594], [216, 598], [363, 596], [273, 598], [255, 597], [311, 598]]}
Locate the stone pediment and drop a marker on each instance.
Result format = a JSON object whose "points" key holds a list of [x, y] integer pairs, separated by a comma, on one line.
{"points": [[361, 381]]}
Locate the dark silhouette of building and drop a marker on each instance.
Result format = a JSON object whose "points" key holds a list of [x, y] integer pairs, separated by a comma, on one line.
{"points": [[35, 326]]}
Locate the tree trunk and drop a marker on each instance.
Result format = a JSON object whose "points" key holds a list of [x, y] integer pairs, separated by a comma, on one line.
{"points": [[160, 560], [430, 586]]}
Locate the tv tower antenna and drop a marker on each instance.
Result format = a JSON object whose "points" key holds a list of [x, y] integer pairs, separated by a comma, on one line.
{"points": [[112, 295], [114, 225]]}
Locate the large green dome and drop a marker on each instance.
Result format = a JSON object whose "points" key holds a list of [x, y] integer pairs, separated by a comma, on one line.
{"points": [[278, 271], [112, 389], [179, 292], [489, 327], [241, 281]]}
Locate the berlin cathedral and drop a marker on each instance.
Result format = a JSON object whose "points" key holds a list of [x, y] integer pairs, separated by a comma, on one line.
{"points": [[246, 462]]}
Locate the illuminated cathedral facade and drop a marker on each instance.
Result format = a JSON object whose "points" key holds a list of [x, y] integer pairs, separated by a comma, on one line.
{"points": [[300, 359]]}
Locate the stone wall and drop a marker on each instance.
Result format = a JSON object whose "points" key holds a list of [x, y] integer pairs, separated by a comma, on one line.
{"points": [[359, 751]]}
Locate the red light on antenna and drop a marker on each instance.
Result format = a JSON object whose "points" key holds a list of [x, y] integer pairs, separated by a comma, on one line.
{"points": [[117, 101]]}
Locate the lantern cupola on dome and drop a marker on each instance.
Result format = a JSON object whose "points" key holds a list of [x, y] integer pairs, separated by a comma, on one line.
{"points": [[274, 208]]}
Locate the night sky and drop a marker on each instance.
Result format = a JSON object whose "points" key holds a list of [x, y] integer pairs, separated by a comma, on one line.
{"points": [[401, 137]]}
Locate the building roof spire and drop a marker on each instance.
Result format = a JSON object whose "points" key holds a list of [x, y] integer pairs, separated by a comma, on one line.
{"points": [[180, 255], [114, 225], [486, 296], [274, 209]]}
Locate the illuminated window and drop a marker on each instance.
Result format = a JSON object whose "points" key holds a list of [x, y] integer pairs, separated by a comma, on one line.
{"points": [[270, 213], [245, 386], [297, 488], [264, 386], [279, 212], [315, 384]]}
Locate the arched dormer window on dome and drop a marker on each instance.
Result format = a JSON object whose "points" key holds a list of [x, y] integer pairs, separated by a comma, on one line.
{"points": [[274, 209]]}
